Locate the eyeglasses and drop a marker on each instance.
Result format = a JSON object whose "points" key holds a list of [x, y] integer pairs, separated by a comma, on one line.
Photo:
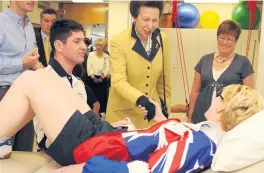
{"points": [[229, 40], [219, 94]]}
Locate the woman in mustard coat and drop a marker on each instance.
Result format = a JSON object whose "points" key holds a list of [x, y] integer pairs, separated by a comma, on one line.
{"points": [[136, 65]]}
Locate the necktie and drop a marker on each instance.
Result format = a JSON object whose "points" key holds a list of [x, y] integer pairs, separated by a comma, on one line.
{"points": [[47, 49]]}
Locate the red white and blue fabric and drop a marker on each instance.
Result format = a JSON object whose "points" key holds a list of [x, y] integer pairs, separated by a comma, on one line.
{"points": [[167, 147]]}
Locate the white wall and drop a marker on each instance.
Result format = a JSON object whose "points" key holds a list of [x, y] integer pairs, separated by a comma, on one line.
{"points": [[223, 10], [119, 18], [260, 72], [94, 31]]}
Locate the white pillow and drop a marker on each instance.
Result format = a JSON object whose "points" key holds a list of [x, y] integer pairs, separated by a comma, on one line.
{"points": [[242, 146]]}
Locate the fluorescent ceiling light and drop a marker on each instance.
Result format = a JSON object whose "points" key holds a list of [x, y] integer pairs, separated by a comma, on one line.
{"points": [[88, 1], [211, 1]]}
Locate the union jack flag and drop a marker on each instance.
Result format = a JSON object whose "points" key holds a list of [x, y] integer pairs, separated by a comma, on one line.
{"points": [[167, 147]]}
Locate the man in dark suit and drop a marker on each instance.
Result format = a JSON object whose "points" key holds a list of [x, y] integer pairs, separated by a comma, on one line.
{"points": [[47, 17]]}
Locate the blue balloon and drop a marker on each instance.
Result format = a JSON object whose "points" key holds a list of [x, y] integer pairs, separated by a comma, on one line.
{"points": [[188, 16]]}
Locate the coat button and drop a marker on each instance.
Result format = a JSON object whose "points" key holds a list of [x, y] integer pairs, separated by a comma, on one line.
{"points": [[147, 76], [148, 67], [147, 85], [146, 94]]}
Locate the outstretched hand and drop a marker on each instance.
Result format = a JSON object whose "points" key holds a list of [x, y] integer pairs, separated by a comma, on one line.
{"points": [[158, 112], [125, 122]]}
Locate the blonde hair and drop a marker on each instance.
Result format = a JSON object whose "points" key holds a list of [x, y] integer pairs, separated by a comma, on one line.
{"points": [[100, 41], [241, 102]]}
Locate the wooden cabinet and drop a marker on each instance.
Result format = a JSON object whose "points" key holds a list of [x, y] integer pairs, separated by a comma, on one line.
{"points": [[86, 13], [196, 43]]}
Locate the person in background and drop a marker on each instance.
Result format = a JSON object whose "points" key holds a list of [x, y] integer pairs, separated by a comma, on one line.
{"points": [[92, 100], [106, 47], [98, 70], [136, 61], [17, 54], [107, 52], [47, 17], [87, 42], [219, 69]]}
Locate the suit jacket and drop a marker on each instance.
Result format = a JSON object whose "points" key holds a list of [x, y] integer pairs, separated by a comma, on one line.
{"points": [[134, 73], [41, 50]]}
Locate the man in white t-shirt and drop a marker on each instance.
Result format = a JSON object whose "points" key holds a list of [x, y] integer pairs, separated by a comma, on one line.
{"points": [[68, 53]]}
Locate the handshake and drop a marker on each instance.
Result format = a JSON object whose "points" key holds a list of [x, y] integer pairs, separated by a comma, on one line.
{"points": [[150, 109]]}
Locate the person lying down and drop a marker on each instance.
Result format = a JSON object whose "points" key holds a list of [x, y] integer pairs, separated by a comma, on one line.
{"points": [[81, 140], [169, 146]]}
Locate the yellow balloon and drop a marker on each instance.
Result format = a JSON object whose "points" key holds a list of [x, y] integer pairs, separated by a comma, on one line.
{"points": [[209, 19]]}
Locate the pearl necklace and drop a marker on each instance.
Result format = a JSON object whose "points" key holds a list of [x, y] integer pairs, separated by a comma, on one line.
{"points": [[221, 60]]}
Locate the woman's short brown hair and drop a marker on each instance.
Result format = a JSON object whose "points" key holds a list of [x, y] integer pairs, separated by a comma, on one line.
{"points": [[229, 27], [135, 6]]}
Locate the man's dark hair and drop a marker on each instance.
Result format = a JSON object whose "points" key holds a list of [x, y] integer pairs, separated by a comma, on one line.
{"points": [[62, 29], [135, 6], [48, 11]]}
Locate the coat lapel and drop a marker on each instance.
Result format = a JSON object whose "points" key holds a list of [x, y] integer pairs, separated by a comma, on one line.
{"points": [[138, 47], [42, 57]]}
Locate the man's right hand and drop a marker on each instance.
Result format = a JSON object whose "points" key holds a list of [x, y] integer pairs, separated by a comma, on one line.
{"points": [[30, 59]]}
